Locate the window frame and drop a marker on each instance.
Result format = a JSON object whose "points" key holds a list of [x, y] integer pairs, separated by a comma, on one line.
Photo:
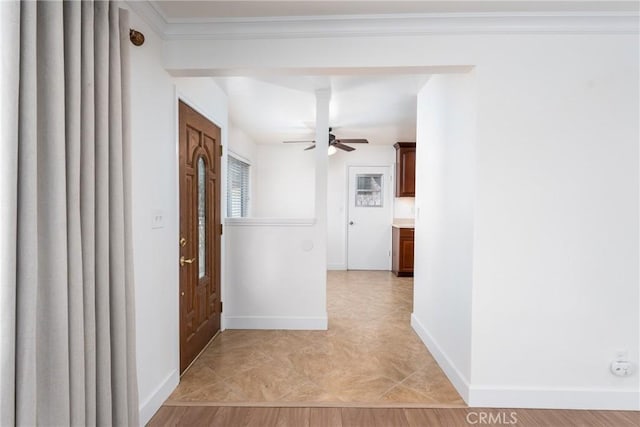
{"points": [[247, 162]]}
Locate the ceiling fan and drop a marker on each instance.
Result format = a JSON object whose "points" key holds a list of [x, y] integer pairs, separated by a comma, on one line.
{"points": [[334, 143]]}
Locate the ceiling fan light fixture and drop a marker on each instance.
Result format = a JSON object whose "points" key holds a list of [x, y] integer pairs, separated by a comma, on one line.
{"points": [[334, 143]]}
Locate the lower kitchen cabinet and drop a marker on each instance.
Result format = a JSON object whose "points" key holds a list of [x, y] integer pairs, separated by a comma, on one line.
{"points": [[402, 252]]}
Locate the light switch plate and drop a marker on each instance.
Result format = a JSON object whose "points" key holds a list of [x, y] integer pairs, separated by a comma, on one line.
{"points": [[157, 218]]}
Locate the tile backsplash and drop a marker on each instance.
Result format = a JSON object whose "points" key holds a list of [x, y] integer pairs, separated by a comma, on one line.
{"points": [[404, 207]]}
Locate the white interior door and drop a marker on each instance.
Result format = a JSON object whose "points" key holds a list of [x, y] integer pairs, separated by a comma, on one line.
{"points": [[369, 218]]}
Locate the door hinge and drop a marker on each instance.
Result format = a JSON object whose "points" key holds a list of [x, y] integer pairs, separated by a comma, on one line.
{"points": [[221, 229], [221, 147], [220, 306]]}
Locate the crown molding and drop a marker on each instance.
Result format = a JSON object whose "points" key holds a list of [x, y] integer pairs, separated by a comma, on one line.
{"points": [[151, 15], [387, 25]]}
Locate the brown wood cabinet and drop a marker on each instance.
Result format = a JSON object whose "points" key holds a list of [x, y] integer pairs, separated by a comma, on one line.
{"points": [[402, 251], [405, 169]]}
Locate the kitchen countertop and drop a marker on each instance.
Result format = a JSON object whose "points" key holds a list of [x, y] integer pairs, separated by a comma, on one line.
{"points": [[403, 223]]}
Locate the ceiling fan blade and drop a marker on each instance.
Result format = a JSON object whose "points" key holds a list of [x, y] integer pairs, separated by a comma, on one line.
{"points": [[307, 141], [343, 147], [352, 141], [311, 147]]}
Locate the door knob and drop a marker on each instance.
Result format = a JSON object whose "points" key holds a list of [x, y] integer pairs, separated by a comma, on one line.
{"points": [[350, 222], [184, 261]]}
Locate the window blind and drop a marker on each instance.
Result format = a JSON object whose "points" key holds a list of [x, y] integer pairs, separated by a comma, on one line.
{"points": [[237, 188]]}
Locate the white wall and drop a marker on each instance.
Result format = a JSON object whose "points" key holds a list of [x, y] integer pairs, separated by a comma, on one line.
{"points": [[241, 144], [155, 188], [284, 181], [444, 229], [555, 280], [556, 254], [274, 279], [555, 287], [154, 250]]}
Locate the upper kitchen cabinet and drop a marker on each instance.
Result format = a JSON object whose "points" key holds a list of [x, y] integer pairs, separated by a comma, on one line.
{"points": [[405, 169]]}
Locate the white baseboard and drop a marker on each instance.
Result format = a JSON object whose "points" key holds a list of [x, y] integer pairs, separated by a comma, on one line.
{"points": [[336, 267], [553, 398], [271, 322], [151, 405], [523, 397], [455, 376]]}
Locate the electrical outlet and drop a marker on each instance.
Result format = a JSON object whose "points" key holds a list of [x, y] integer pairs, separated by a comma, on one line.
{"points": [[621, 368]]}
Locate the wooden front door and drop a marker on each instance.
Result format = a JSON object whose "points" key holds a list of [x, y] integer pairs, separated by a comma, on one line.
{"points": [[200, 230]]}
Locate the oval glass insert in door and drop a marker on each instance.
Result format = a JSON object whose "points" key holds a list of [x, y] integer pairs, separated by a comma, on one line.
{"points": [[202, 219]]}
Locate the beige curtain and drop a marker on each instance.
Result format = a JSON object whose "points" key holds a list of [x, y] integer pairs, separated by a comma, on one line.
{"points": [[66, 301]]}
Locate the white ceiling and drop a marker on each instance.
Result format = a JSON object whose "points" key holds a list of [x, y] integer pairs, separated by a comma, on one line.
{"points": [[380, 108], [180, 10]]}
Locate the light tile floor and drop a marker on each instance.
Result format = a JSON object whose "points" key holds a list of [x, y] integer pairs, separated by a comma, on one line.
{"points": [[370, 354]]}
